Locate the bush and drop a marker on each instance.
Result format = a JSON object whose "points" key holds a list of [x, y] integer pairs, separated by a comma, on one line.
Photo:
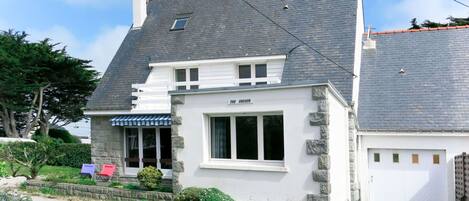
{"points": [[202, 194], [72, 155], [30, 155], [3, 169], [60, 134], [150, 177], [75, 179]]}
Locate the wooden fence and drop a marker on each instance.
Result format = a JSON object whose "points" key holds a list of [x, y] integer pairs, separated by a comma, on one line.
{"points": [[461, 168]]}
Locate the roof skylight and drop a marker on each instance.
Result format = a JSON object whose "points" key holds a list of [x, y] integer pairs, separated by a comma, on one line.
{"points": [[179, 24]]}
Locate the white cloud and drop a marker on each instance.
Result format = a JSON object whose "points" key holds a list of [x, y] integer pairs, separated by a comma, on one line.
{"points": [[435, 10]]}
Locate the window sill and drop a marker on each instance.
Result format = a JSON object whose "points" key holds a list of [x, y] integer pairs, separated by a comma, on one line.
{"points": [[245, 167]]}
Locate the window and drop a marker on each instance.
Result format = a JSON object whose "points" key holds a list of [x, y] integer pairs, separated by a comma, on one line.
{"points": [[436, 159], [179, 24], [395, 158], [183, 74], [376, 157], [252, 71], [415, 158], [247, 137]]}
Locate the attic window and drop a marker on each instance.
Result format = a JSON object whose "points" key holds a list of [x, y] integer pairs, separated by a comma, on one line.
{"points": [[179, 24]]}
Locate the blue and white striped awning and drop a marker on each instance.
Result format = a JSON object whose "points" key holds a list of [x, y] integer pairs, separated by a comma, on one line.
{"points": [[142, 120]]}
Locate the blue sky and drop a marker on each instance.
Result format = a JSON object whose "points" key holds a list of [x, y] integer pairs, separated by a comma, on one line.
{"points": [[94, 29]]}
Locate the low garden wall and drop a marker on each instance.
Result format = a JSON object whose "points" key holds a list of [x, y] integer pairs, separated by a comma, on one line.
{"points": [[100, 192]]}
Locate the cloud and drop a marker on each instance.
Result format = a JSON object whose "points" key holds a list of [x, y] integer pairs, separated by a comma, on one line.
{"points": [[435, 10]]}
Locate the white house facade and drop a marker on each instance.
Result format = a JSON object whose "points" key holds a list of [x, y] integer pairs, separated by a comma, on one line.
{"points": [[272, 101]]}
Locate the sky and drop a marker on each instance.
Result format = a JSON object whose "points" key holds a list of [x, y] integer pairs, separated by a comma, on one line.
{"points": [[94, 29]]}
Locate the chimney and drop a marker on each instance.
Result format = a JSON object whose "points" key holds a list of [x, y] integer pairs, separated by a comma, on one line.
{"points": [[139, 13]]}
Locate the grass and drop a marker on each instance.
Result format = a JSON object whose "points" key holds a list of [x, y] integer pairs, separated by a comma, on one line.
{"points": [[49, 170], [131, 186]]}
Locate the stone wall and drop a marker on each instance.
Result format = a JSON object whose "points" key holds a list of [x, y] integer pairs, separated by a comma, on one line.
{"points": [[320, 147], [177, 141], [107, 143], [354, 184], [101, 192]]}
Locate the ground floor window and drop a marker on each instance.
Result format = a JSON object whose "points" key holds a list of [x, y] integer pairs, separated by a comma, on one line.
{"points": [[247, 137]]}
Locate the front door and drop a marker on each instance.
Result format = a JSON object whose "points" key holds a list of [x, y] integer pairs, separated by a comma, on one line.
{"points": [[407, 175], [147, 147]]}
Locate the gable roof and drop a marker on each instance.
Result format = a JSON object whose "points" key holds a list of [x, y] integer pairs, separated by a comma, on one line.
{"points": [[228, 29], [432, 94]]}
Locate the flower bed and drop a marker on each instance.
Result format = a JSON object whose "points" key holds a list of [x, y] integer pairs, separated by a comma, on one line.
{"points": [[99, 192]]}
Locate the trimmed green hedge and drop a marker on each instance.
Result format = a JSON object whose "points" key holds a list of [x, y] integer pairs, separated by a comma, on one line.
{"points": [[60, 134], [73, 155]]}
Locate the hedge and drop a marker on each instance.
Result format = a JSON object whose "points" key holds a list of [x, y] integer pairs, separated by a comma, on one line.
{"points": [[72, 155], [61, 134]]}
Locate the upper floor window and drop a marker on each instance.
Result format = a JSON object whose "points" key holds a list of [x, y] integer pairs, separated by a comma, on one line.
{"points": [[252, 71], [185, 78], [179, 24]]}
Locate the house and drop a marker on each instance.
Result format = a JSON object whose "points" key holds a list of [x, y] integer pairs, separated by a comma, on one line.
{"points": [[216, 95], [284, 100], [413, 113]]}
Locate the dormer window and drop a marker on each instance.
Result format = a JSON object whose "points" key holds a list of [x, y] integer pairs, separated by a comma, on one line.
{"points": [[179, 24], [186, 78], [251, 71]]}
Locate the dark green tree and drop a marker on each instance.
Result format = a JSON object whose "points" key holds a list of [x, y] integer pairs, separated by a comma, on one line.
{"points": [[40, 84], [430, 24]]}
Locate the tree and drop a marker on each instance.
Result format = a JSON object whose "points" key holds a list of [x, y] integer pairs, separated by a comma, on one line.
{"points": [[430, 24], [40, 84]]}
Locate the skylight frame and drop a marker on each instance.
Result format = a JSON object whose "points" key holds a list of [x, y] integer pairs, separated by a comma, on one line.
{"points": [[174, 28]]}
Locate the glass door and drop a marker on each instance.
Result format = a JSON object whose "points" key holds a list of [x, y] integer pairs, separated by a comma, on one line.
{"points": [[149, 147], [132, 148]]}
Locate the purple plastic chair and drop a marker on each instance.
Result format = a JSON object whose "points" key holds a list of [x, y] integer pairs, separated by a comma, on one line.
{"points": [[87, 170]]}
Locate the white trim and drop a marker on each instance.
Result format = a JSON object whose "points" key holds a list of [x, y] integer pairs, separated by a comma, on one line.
{"points": [[119, 112], [211, 61], [226, 166], [414, 134]]}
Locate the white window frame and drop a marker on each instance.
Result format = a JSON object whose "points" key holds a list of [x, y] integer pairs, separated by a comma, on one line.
{"points": [[260, 164], [173, 27], [186, 83], [253, 79]]}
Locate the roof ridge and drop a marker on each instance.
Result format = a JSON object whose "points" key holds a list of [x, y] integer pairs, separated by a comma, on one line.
{"points": [[420, 30]]}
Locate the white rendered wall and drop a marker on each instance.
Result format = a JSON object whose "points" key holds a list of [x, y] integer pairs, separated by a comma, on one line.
{"points": [[453, 143], [358, 54], [250, 185], [339, 151]]}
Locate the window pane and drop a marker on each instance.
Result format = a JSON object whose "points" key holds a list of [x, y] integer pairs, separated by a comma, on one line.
{"points": [[246, 137], [415, 158], [181, 87], [149, 147], [220, 137], [261, 83], [165, 138], [179, 24], [395, 158], [261, 70], [180, 75], [436, 159], [376, 157], [245, 84], [131, 144], [273, 137], [194, 86], [194, 74], [244, 71]]}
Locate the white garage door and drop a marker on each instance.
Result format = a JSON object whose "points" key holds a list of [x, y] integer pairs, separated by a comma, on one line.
{"points": [[407, 175]]}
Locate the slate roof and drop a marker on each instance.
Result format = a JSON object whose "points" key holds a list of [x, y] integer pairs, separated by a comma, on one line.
{"points": [[432, 94], [229, 28]]}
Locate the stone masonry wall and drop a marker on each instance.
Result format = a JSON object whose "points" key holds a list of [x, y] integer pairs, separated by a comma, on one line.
{"points": [[107, 143], [177, 141], [320, 147]]}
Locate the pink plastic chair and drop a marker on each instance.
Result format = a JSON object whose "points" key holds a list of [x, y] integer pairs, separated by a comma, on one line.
{"points": [[107, 171]]}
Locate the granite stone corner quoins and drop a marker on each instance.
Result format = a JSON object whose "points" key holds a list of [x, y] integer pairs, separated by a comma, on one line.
{"points": [[319, 93], [321, 175], [177, 99], [313, 197], [317, 147], [325, 188], [319, 118], [324, 162]]}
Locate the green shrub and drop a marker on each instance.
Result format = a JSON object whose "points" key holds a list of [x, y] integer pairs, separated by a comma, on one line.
{"points": [[116, 184], [70, 179], [6, 196], [202, 194], [3, 169], [60, 134], [48, 191], [72, 155], [131, 187], [149, 177]]}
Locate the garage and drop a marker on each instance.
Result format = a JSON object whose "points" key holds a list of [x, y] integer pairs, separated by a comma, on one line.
{"points": [[407, 175]]}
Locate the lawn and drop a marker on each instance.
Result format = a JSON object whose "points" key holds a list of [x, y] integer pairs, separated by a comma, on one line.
{"points": [[51, 170]]}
